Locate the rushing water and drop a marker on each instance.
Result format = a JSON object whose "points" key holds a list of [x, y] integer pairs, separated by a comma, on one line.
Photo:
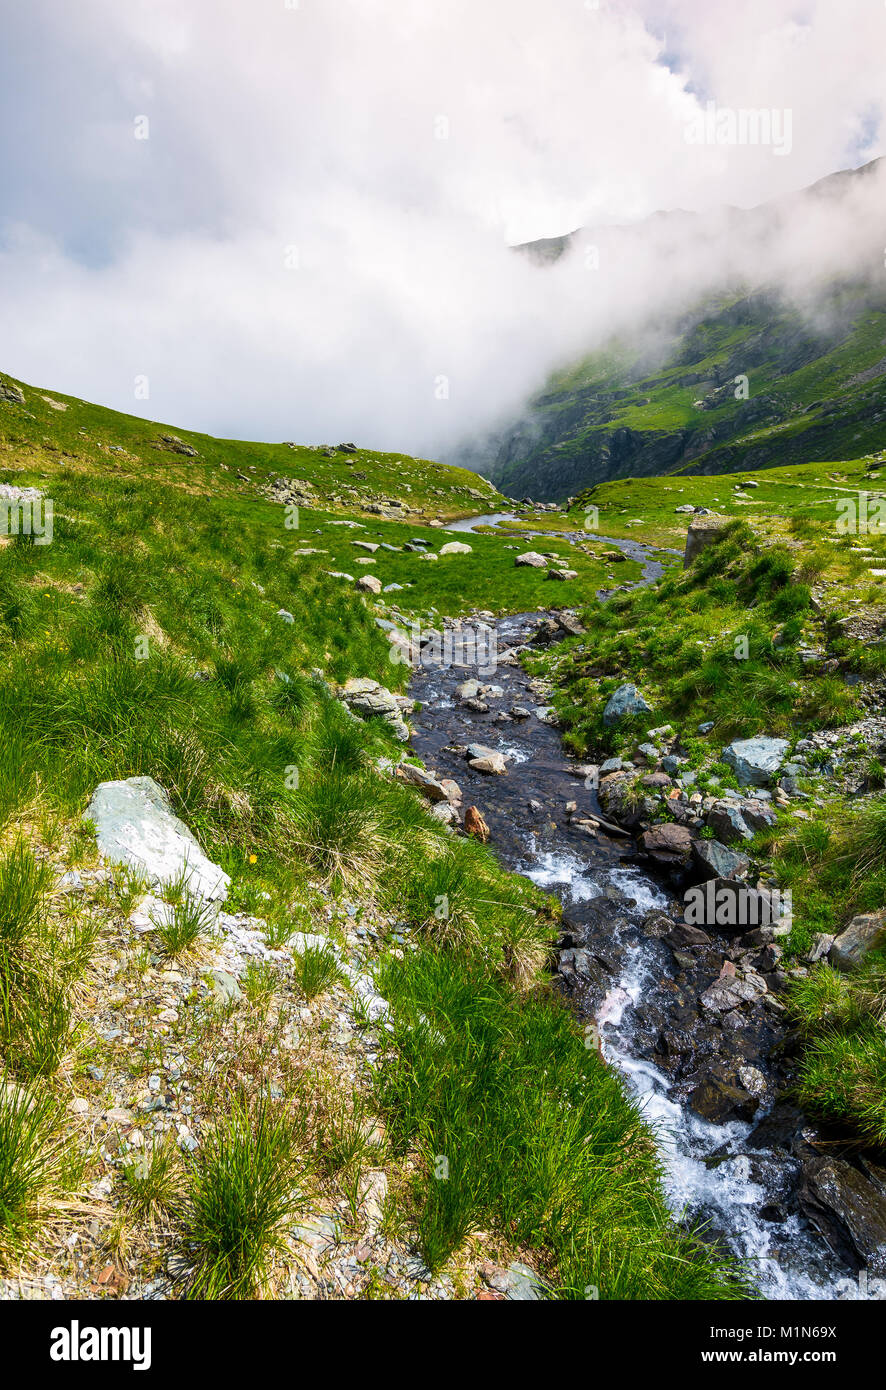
{"points": [[722, 1175]]}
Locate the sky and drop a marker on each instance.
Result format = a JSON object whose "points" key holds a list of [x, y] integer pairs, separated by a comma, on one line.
{"points": [[291, 218]]}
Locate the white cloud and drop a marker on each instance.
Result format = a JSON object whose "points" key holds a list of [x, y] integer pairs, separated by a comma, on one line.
{"points": [[317, 128]]}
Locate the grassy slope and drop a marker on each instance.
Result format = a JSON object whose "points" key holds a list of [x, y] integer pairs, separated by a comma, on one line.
{"points": [[163, 568]]}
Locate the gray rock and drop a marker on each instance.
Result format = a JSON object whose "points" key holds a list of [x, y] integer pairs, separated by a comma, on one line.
{"points": [[428, 785], [716, 861], [532, 558], [369, 699], [728, 823], [9, 392], [224, 986], [702, 533], [864, 934], [756, 760], [135, 825], [622, 703]]}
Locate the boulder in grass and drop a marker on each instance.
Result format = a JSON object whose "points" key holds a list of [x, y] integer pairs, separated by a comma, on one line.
{"points": [[455, 548], [136, 826], [369, 583], [532, 559], [864, 934], [623, 703], [756, 761]]}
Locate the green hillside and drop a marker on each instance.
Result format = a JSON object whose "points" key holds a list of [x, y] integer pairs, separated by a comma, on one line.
{"points": [[814, 391]]}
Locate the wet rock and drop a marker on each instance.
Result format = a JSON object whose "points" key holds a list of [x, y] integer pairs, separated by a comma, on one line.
{"points": [[682, 936], [623, 703], [726, 994], [718, 1101], [847, 1209], [864, 934], [756, 760], [491, 763], [714, 860]]}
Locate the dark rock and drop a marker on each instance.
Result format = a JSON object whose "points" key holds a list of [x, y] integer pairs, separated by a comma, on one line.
{"points": [[716, 1100], [847, 1209]]}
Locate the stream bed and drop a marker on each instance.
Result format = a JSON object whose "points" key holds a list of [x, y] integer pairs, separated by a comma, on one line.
{"points": [[738, 1178]]}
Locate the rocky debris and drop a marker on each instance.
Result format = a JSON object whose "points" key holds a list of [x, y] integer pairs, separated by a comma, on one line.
{"points": [[291, 491], [368, 699], [533, 559], [10, 493], [369, 583], [475, 825], [668, 843], [756, 760], [703, 532], [848, 1210], [864, 934], [623, 703], [11, 393], [174, 445], [455, 548], [562, 574], [136, 826]]}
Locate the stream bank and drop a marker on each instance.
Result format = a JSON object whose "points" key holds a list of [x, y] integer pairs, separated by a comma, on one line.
{"points": [[738, 1157]]}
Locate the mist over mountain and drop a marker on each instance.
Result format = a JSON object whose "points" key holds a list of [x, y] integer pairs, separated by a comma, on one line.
{"points": [[745, 338]]}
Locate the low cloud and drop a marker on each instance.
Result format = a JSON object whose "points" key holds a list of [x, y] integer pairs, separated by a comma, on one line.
{"points": [[311, 241]]}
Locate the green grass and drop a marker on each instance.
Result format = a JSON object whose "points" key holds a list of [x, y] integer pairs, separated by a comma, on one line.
{"points": [[243, 1189], [842, 1072], [517, 1126], [315, 970], [145, 640], [718, 642], [30, 1160]]}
